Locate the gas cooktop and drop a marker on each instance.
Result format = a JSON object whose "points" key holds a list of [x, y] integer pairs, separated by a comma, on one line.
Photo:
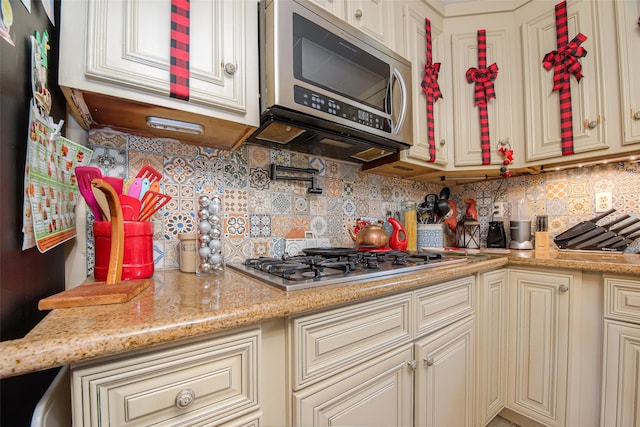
{"points": [[328, 266]]}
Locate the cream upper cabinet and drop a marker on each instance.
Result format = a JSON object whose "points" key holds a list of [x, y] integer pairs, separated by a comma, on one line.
{"points": [[370, 16], [492, 318], [591, 114], [115, 50], [503, 110], [627, 13]]}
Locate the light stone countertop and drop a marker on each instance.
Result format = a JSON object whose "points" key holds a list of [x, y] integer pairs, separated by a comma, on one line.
{"points": [[180, 305]]}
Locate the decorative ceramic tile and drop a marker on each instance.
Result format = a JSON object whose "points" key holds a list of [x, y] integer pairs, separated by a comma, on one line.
{"points": [[319, 225], [260, 226], [277, 246], [578, 206], [578, 188], [175, 148], [176, 223], [237, 156], [235, 201], [556, 207], [208, 175], [300, 205], [159, 254], [259, 178], [259, 156], [280, 225], [334, 187], [628, 203], [236, 250], [363, 209], [236, 175], [348, 208], [280, 157], [281, 203], [348, 189], [332, 168], [298, 225], [318, 206], [261, 247], [259, 202], [111, 161], [602, 186], [172, 255], [319, 164], [139, 143], [348, 171], [137, 159], [235, 225], [556, 190], [208, 153], [107, 138], [179, 170]]}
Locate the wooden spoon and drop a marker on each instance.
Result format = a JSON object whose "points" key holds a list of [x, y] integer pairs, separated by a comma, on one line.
{"points": [[116, 256]]}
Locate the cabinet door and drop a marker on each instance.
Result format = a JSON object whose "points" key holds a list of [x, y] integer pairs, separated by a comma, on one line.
{"points": [[621, 375], [378, 393], [501, 110], [445, 376], [129, 45], [413, 48], [627, 13], [372, 17], [539, 345], [492, 321], [541, 104]]}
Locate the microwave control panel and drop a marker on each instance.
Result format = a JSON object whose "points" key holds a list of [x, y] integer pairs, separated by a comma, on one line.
{"points": [[340, 109]]}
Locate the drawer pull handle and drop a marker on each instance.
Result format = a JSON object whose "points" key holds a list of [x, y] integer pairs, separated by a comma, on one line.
{"points": [[564, 288], [185, 398], [358, 14], [429, 361], [636, 116]]}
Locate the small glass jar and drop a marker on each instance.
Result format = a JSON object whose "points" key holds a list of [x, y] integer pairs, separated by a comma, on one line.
{"points": [[210, 257]]}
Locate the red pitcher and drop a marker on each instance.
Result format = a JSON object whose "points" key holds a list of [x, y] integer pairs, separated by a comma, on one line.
{"points": [[398, 237]]}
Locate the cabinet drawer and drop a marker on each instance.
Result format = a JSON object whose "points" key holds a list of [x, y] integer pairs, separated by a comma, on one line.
{"points": [[328, 342], [622, 299], [216, 378], [440, 305]]}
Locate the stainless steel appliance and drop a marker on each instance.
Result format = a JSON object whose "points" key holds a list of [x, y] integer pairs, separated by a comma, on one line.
{"points": [[329, 89], [329, 266]]}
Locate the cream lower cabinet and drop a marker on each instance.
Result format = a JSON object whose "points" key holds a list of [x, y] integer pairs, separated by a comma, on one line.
{"points": [[386, 361], [445, 377], [209, 382], [492, 318], [540, 344], [621, 360]]}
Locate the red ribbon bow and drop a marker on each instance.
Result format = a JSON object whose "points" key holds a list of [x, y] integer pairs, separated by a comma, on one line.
{"points": [[483, 78], [430, 81], [565, 61]]}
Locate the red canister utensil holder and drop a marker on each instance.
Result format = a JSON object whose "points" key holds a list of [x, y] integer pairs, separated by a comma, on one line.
{"points": [[138, 249]]}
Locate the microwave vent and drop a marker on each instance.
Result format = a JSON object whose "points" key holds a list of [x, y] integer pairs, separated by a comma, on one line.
{"points": [[371, 154], [280, 133]]}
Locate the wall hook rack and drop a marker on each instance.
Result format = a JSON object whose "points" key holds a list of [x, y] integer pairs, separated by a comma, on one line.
{"points": [[313, 179]]}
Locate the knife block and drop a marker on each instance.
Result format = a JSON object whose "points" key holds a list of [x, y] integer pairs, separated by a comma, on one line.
{"points": [[138, 249]]}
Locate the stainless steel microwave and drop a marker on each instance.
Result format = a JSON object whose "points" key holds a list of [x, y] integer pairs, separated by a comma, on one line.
{"points": [[329, 89]]}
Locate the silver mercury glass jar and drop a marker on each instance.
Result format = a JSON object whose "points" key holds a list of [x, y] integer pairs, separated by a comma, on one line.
{"points": [[210, 258]]}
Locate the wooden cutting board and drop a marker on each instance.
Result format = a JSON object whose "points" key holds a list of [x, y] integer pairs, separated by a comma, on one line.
{"points": [[97, 293]]}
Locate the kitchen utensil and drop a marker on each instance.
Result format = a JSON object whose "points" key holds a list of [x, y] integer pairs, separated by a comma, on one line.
{"points": [[152, 203], [135, 188], [147, 171], [102, 202], [370, 235], [130, 207], [444, 209], [398, 239], [619, 238], [593, 235], [116, 182], [445, 193], [562, 239], [155, 186], [626, 224], [606, 234], [116, 255], [144, 187], [84, 175]]}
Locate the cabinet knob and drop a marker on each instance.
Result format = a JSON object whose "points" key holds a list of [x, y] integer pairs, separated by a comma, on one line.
{"points": [[564, 288], [185, 398], [636, 116], [412, 364], [230, 68], [429, 361], [442, 142], [592, 124], [358, 14]]}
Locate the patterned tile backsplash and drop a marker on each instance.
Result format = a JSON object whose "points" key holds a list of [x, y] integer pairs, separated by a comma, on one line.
{"points": [[259, 213]]}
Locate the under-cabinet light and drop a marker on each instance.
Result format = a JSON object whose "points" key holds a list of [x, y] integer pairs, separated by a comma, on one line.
{"points": [[174, 125]]}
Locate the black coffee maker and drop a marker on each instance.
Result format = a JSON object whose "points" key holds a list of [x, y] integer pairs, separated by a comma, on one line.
{"points": [[496, 237]]}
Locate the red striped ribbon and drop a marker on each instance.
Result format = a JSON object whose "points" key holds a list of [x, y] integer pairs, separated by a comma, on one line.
{"points": [[565, 63], [431, 89], [179, 67], [483, 78]]}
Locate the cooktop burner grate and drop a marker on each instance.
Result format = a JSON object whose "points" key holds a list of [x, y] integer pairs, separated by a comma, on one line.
{"points": [[337, 266]]}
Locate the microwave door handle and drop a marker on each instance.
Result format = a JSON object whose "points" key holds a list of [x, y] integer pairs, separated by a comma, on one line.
{"points": [[397, 124]]}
